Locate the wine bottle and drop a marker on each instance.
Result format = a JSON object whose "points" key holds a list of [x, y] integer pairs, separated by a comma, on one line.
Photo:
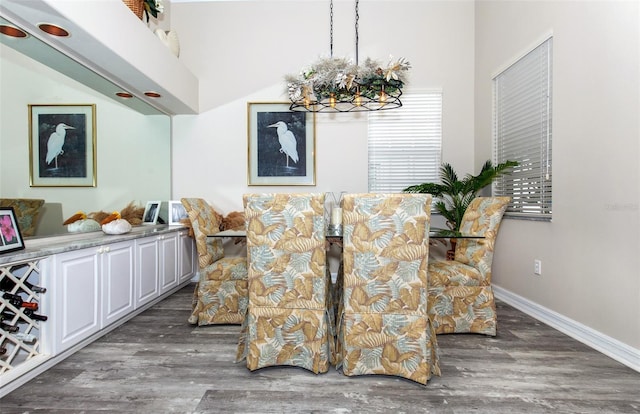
{"points": [[6, 315], [25, 337], [8, 328], [27, 312], [35, 316], [7, 284], [16, 300]]}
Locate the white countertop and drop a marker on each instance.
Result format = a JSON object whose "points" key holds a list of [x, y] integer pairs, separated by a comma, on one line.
{"points": [[44, 246]]}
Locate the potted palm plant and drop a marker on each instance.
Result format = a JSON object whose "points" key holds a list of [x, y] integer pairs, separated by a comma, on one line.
{"points": [[454, 195]]}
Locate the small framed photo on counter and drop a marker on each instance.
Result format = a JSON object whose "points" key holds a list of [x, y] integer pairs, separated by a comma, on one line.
{"points": [[177, 213], [151, 212], [10, 237]]}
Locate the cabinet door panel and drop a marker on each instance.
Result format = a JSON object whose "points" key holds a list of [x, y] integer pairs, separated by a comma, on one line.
{"points": [[169, 262], [117, 282], [77, 297], [147, 271]]}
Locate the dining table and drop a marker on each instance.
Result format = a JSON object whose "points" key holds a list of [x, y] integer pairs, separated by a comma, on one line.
{"points": [[334, 237], [434, 233]]}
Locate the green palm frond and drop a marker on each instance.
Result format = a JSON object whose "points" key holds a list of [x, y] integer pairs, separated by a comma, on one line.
{"points": [[426, 188], [455, 195]]}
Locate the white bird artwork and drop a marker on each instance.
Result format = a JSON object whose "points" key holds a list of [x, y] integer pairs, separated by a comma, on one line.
{"points": [[56, 142], [288, 143]]}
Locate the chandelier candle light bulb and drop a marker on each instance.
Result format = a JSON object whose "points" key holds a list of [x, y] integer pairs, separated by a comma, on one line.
{"points": [[336, 216]]}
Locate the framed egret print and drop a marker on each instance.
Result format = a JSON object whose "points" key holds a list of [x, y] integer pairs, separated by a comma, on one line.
{"points": [[282, 145], [62, 145]]}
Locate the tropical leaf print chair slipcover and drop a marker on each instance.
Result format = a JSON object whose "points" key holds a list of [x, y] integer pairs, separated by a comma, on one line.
{"points": [[220, 296], [288, 319], [383, 325], [460, 293]]}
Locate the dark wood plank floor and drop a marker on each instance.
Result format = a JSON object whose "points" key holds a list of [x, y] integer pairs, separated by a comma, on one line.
{"points": [[158, 363]]}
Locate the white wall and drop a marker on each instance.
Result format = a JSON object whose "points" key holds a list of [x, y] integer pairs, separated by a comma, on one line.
{"points": [[133, 159], [590, 251], [240, 51]]}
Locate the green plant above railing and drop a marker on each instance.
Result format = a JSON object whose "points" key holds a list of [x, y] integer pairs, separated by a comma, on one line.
{"points": [[454, 194]]}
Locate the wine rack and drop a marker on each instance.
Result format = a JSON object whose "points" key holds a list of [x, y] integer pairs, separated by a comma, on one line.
{"points": [[19, 328]]}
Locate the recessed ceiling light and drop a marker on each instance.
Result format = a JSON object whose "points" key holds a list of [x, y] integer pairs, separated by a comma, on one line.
{"points": [[12, 31], [153, 94], [125, 95], [53, 30]]}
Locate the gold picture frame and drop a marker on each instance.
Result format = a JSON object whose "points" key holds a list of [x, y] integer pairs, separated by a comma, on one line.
{"points": [[282, 145], [62, 145]]}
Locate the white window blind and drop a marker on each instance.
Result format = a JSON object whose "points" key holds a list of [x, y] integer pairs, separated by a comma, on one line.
{"points": [[522, 132], [405, 144]]}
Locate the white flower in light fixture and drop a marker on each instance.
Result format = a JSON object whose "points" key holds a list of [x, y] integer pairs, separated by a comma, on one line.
{"points": [[341, 80], [394, 67]]}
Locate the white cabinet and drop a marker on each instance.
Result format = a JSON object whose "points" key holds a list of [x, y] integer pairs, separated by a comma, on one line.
{"points": [[94, 288], [93, 285], [158, 259], [77, 306]]}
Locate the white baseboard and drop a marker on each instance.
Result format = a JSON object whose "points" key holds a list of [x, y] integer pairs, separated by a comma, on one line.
{"points": [[611, 347]]}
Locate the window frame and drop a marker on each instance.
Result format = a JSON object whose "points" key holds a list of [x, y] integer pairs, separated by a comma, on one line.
{"points": [[523, 132]]}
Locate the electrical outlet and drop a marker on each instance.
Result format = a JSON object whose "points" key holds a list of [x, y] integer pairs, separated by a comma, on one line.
{"points": [[537, 266]]}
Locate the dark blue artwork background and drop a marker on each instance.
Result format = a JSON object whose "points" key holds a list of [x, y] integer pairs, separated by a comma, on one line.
{"points": [[73, 162], [271, 162]]}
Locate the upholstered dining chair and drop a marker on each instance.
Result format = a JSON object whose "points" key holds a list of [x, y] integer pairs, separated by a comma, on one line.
{"points": [[383, 325], [288, 320], [27, 212], [220, 295], [460, 293]]}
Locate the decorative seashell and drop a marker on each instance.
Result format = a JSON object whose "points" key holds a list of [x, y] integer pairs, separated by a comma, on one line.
{"points": [[162, 35], [170, 39], [173, 42], [119, 226]]}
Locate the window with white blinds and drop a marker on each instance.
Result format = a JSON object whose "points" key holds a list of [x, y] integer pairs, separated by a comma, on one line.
{"points": [[522, 133], [405, 144]]}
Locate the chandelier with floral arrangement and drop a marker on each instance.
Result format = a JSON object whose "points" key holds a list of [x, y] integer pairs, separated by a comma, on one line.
{"points": [[340, 85]]}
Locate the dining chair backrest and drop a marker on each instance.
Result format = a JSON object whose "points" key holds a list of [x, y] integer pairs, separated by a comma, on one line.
{"points": [[205, 222], [287, 321], [220, 295], [383, 326], [482, 218]]}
